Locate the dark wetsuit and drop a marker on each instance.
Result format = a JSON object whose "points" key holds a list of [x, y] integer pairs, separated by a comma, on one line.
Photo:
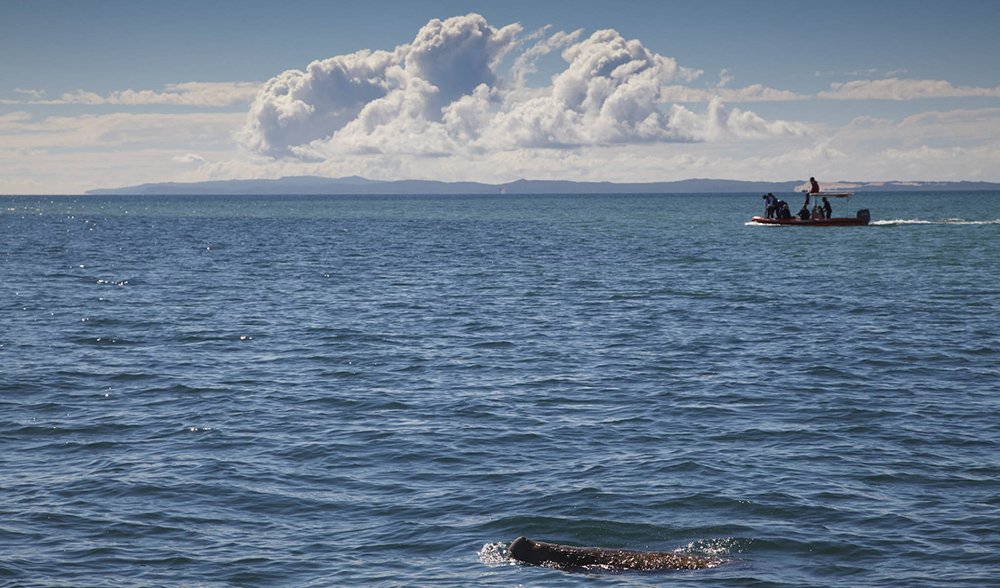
{"points": [[770, 205]]}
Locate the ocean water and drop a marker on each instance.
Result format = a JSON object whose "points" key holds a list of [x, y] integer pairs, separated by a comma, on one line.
{"points": [[386, 391]]}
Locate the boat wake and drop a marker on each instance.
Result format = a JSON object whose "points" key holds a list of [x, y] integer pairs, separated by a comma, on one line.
{"points": [[949, 221], [905, 221]]}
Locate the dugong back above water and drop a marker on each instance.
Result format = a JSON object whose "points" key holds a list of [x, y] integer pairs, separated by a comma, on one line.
{"points": [[569, 557]]}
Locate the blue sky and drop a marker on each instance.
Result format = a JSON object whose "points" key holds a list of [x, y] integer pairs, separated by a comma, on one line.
{"points": [[110, 93]]}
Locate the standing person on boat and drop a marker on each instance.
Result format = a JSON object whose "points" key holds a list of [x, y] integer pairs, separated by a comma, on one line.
{"points": [[827, 209], [770, 205], [813, 189]]}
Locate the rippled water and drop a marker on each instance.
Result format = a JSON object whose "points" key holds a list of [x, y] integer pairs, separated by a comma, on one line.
{"points": [[383, 391]]}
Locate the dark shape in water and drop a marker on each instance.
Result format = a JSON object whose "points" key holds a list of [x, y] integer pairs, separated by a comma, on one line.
{"points": [[568, 557]]}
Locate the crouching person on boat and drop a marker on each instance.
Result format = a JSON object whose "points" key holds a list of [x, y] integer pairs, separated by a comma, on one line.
{"points": [[783, 210]]}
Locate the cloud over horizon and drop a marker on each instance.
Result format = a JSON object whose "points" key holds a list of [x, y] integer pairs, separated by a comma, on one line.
{"points": [[201, 94], [449, 91], [462, 99], [903, 89]]}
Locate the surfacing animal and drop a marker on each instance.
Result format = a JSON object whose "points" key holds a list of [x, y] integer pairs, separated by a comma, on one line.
{"points": [[569, 557]]}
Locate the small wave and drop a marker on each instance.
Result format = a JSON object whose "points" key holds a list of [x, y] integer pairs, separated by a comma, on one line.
{"points": [[494, 345], [958, 221], [103, 341], [194, 429]]}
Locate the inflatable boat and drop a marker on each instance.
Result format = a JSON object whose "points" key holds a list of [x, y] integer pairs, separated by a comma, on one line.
{"points": [[861, 218]]}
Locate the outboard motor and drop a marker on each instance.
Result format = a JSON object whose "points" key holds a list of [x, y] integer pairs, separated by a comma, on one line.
{"points": [[864, 215]]}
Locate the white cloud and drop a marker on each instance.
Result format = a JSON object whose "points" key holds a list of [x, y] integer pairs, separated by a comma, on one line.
{"points": [[938, 145], [31, 94], [457, 55], [59, 171], [13, 120], [918, 157], [724, 78], [118, 131], [959, 124], [297, 107], [937, 128], [447, 60], [443, 95], [860, 73], [951, 163], [463, 101], [202, 94], [524, 65], [189, 158], [608, 93], [752, 93], [885, 89], [903, 89]]}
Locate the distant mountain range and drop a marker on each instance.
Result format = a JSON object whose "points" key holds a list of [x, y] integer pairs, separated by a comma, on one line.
{"points": [[311, 185]]}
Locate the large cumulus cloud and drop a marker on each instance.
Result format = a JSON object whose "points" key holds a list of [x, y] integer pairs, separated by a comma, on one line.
{"points": [[297, 107], [456, 55], [446, 93]]}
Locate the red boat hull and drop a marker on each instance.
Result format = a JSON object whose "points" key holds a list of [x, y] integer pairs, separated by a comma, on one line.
{"points": [[820, 222]]}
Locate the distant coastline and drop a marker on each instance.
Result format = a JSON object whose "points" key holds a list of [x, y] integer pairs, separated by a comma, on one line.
{"points": [[312, 185]]}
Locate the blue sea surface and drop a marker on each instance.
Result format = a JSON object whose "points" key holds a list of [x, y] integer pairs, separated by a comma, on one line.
{"points": [[386, 391]]}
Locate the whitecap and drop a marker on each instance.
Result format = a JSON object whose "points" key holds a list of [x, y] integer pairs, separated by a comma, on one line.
{"points": [[494, 554]]}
